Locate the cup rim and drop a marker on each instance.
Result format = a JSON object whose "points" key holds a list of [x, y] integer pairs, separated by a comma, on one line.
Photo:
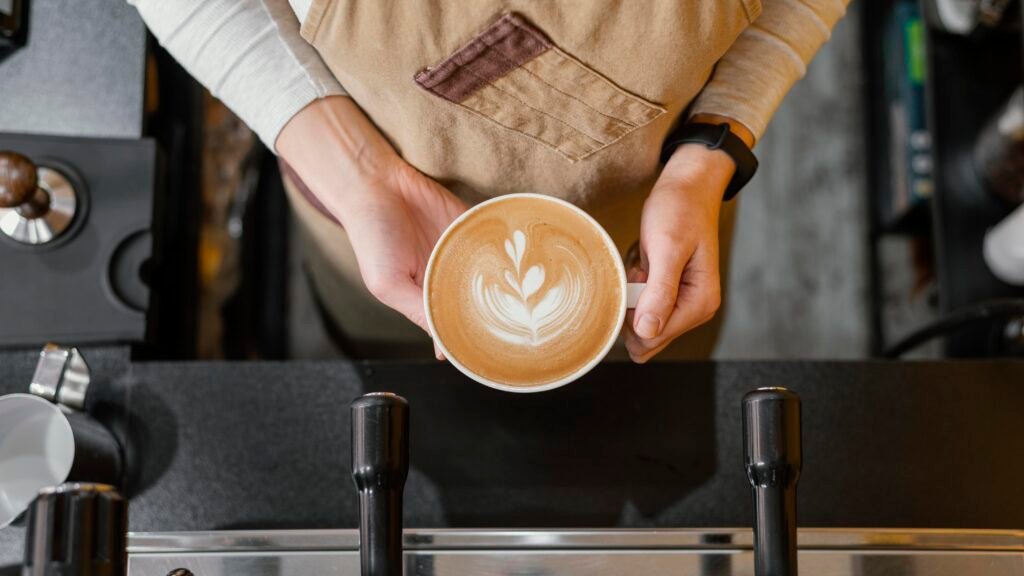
{"points": [[581, 371], [66, 426]]}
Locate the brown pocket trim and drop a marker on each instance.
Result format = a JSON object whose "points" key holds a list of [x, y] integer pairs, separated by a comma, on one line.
{"points": [[512, 75], [502, 47]]}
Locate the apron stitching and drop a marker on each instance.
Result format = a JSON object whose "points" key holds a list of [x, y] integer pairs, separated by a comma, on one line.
{"points": [[570, 96], [648, 106], [572, 159], [517, 21], [555, 118], [478, 46], [533, 31]]}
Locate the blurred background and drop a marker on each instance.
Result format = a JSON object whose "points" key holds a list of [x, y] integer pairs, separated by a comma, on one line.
{"points": [[863, 235]]}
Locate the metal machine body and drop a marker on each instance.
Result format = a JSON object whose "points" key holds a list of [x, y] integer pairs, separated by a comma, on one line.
{"points": [[823, 552], [80, 277], [772, 457], [71, 255]]}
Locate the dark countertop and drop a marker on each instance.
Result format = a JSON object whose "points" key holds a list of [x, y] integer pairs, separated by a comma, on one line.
{"points": [[265, 445]]}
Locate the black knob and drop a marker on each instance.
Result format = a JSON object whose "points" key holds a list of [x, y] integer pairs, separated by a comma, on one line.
{"points": [[77, 530], [18, 179], [773, 460], [380, 465], [19, 186]]}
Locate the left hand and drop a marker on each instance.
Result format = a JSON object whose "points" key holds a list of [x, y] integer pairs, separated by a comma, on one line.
{"points": [[678, 250]]}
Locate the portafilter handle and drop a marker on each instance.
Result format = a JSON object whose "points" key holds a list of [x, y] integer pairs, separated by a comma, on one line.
{"points": [[77, 529], [773, 459], [380, 465]]}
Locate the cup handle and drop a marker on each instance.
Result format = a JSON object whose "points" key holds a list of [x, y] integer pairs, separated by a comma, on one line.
{"points": [[633, 290]]}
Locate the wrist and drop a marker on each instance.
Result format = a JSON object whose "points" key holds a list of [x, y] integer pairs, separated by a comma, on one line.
{"points": [[714, 137], [335, 149], [699, 169]]}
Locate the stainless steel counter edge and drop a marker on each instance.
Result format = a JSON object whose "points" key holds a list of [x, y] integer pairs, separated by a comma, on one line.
{"points": [[611, 539]]}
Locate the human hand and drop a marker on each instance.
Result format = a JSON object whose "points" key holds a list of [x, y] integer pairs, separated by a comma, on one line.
{"points": [[393, 214], [393, 230], [678, 250]]}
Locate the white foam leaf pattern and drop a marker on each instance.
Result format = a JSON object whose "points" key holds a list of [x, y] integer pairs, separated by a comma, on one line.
{"points": [[520, 240], [509, 316], [532, 281], [550, 304], [512, 281]]}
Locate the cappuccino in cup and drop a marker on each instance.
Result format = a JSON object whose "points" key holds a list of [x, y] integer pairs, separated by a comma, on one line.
{"points": [[525, 293]]}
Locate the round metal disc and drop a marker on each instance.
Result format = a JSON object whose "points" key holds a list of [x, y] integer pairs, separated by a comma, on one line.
{"points": [[35, 231]]}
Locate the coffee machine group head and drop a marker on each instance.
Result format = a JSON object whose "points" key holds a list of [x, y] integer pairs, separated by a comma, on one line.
{"points": [[773, 459], [380, 465]]}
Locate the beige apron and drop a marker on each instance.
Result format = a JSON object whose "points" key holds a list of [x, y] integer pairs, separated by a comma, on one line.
{"points": [[571, 99]]}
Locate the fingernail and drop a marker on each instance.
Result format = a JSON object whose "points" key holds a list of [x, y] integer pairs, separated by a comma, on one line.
{"points": [[648, 326]]}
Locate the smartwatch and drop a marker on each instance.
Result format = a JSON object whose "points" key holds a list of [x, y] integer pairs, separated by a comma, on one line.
{"points": [[715, 137]]}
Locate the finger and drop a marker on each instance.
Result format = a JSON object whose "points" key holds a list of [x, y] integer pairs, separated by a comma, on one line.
{"points": [[407, 297], [404, 295], [665, 262], [640, 352], [700, 293], [636, 274], [699, 299]]}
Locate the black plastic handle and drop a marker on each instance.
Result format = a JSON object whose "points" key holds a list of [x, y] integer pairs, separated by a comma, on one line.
{"points": [[380, 465], [78, 529], [773, 458]]}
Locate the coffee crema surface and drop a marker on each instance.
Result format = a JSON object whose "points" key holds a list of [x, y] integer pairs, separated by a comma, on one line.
{"points": [[525, 292]]}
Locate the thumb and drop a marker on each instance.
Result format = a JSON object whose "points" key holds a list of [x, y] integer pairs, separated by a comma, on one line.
{"points": [[665, 263]]}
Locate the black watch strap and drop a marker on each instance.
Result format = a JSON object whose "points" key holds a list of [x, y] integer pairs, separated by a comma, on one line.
{"points": [[715, 137]]}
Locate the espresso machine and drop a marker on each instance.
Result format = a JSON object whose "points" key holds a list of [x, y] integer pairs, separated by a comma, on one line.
{"points": [[77, 178], [81, 529], [75, 220], [774, 547], [380, 547]]}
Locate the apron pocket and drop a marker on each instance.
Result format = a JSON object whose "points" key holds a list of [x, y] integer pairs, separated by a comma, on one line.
{"points": [[514, 76]]}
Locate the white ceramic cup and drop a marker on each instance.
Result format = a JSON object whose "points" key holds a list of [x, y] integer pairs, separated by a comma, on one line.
{"points": [[37, 450], [630, 293]]}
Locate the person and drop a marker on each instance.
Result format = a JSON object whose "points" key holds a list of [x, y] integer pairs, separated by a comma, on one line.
{"points": [[393, 116]]}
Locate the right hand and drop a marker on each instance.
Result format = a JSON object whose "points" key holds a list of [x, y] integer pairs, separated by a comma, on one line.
{"points": [[393, 213], [393, 230]]}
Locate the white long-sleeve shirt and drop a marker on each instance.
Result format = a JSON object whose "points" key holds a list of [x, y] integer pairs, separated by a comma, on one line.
{"points": [[249, 54]]}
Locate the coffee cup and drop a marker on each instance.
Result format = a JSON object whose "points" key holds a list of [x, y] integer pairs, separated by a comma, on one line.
{"points": [[526, 293]]}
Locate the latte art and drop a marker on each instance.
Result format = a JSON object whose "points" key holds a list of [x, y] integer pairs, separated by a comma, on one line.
{"points": [[524, 311], [524, 291]]}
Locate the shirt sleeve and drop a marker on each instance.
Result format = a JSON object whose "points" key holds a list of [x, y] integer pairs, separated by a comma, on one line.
{"points": [[248, 53], [751, 79]]}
